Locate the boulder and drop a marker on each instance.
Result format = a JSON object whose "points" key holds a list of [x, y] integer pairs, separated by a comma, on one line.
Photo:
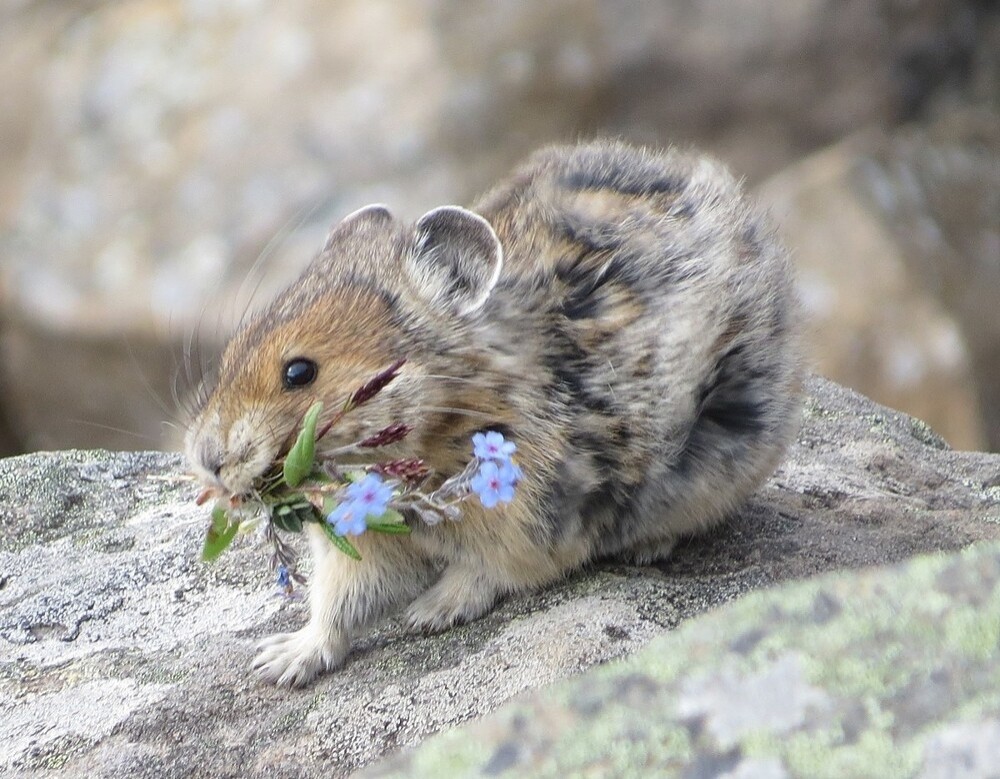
{"points": [[896, 239], [936, 189], [122, 654], [882, 673], [154, 150]]}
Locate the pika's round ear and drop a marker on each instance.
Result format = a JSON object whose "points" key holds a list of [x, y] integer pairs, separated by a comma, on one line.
{"points": [[455, 259], [368, 218]]}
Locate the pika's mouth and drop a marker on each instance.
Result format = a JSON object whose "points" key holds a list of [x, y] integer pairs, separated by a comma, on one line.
{"points": [[218, 494], [233, 483]]}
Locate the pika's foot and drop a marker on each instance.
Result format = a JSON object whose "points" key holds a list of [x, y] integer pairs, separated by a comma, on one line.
{"points": [[651, 552], [458, 597], [295, 659]]}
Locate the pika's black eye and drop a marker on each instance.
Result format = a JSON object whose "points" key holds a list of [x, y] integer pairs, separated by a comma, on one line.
{"points": [[299, 372]]}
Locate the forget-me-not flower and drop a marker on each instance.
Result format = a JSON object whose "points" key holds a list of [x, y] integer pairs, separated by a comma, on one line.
{"points": [[494, 482], [366, 498], [371, 495], [492, 446], [347, 520]]}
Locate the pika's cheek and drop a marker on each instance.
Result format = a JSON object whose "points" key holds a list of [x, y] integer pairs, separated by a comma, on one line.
{"points": [[250, 450]]}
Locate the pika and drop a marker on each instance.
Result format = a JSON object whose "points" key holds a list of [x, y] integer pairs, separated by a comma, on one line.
{"points": [[624, 315]]}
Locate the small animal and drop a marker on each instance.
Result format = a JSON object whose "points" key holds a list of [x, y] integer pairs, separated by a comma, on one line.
{"points": [[625, 316]]}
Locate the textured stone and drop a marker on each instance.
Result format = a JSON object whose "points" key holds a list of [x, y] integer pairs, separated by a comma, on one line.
{"points": [[896, 239], [936, 188], [155, 149], [886, 672], [121, 654]]}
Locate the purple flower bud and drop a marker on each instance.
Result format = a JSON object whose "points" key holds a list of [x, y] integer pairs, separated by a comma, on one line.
{"points": [[375, 385], [408, 470], [397, 431]]}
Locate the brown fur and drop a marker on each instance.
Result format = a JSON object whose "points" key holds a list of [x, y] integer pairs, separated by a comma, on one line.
{"points": [[624, 316]]}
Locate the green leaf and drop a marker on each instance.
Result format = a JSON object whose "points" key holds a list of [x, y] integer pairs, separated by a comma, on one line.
{"points": [[286, 520], [292, 512], [391, 522], [340, 542], [390, 517], [389, 527], [299, 461], [220, 534]]}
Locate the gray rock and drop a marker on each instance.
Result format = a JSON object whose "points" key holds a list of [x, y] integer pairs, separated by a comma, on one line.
{"points": [[154, 150], [937, 188], [896, 237], [879, 673], [122, 654]]}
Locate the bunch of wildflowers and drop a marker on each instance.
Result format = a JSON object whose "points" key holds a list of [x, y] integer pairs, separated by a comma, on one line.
{"points": [[380, 496]]}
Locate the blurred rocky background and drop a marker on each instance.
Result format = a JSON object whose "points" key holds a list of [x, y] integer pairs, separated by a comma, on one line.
{"points": [[154, 150]]}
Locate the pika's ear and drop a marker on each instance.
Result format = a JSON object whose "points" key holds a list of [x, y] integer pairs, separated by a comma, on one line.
{"points": [[370, 217], [455, 259]]}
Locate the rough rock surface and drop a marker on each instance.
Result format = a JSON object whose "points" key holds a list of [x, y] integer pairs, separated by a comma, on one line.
{"points": [[154, 149], [937, 188], [121, 654], [884, 673], [896, 238]]}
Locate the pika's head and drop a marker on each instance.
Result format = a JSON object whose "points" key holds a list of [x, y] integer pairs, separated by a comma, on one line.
{"points": [[379, 291]]}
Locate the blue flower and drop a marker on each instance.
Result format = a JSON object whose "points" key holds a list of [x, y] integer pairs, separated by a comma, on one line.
{"points": [[284, 577], [347, 520], [370, 496], [492, 446], [366, 498], [495, 483]]}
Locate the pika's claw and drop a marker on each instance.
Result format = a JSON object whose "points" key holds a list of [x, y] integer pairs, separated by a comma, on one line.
{"points": [[295, 659]]}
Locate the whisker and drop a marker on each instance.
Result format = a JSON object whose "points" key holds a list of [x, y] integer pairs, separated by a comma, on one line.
{"points": [[189, 521], [481, 379], [477, 380], [187, 347], [112, 428], [182, 404], [291, 225], [187, 403], [147, 386], [454, 410]]}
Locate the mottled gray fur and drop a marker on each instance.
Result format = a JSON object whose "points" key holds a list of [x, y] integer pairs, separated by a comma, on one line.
{"points": [[625, 316]]}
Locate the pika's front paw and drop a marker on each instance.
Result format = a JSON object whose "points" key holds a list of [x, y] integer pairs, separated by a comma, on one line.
{"points": [[295, 659], [651, 552], [453, 600]]}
